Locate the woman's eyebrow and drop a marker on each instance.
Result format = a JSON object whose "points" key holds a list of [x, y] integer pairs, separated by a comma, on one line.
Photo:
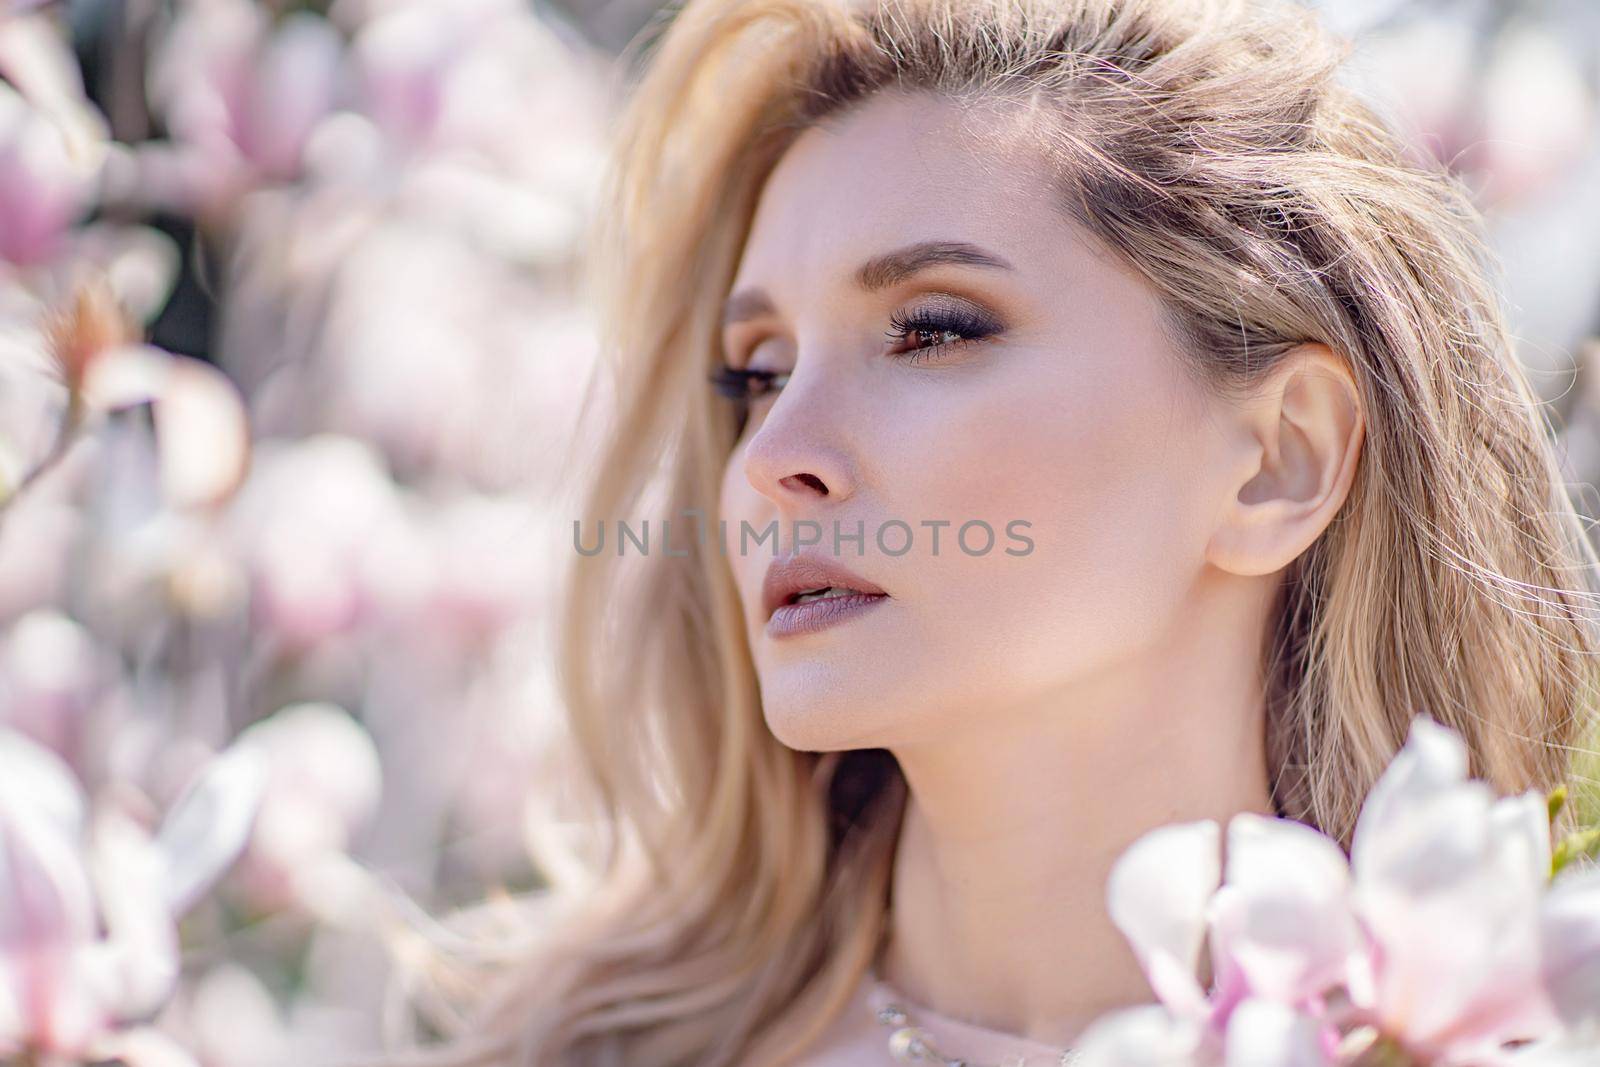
{"points": [[877, 273]]}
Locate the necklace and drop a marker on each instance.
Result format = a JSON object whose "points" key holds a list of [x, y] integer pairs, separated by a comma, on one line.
{"points": [[908, 1042]]}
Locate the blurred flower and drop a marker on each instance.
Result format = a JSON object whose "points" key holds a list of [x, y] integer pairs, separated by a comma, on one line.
{"points": [[242, 96], [53, 142], [324, 782], [51, 671], [307, 527], [43, 188], [228, 1018], [93, 325], [33, 403], [201, 430], [199, 415], [443, 76], [1441, 941], [54, 150], [39, 536], [1570, 937], [1505, 104], [67, 989], [1449, 881]]}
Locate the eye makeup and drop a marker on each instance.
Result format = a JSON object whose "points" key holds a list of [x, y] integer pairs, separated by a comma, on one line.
{"points": [[949, 326], [957, 324]]}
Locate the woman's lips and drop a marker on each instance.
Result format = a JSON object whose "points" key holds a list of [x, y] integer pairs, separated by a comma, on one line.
{"points": [[787, 579], [789, 620]]}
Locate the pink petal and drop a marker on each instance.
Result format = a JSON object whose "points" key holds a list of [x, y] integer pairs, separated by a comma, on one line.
{"points": [[297, 80], [47, 914]]}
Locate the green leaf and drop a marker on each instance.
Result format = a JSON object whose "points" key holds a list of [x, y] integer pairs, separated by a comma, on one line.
{"points": [[1557, 800]]}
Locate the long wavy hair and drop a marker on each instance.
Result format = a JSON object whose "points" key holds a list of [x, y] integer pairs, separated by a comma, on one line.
{"points": [[736, 890]]}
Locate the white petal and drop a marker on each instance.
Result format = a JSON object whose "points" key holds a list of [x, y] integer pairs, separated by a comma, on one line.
{"points": [[136, 967], [1521, 827], [1157, 896], [202, 432], [46, 900], [1262, 1033], [210, 824], [1146, 1036], [32, 775], [1285, 916], [1568, 1051], [1433, 758], [127, 375], [201, 425], [1570, 932]]}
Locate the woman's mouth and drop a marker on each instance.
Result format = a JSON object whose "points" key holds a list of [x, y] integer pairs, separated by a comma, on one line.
{"points": [[817, 609]]}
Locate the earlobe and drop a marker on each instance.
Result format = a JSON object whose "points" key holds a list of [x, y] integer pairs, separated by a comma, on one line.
{"points": [[1306, 425]]}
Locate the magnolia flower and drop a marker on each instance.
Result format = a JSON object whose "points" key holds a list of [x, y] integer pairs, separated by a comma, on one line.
{"points": [[57, 163], [242, 97], [1439, 941], [89, 902], [91, 348]]}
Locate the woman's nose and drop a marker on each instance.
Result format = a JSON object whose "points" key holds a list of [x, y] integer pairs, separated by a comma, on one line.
{"points": [[800, 453]]}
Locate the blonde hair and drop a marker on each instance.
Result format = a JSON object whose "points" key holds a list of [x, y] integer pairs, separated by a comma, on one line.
{"points": [[742, 892]]}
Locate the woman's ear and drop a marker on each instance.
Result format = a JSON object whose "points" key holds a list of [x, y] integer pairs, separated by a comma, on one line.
{"points": [[1299, 443]]}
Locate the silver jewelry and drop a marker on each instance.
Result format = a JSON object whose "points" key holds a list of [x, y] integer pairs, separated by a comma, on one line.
{"points": [[908, 1042]]}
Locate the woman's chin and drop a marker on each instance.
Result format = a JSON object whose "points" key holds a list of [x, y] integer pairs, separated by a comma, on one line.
{"points": [[822, 725]]}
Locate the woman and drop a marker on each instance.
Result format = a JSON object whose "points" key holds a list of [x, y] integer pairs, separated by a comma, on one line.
{"points": [[1140, 289]]}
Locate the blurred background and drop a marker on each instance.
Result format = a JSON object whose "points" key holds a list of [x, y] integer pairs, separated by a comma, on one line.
{"points": [[291, 350]]}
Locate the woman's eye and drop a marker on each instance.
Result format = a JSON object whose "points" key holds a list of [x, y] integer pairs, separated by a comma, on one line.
{"points": [[743, 388], [739, 384], [935, 330], [931, 332]]}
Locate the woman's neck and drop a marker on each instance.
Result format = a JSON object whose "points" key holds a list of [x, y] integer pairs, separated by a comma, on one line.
{"points": [[998, 899]]}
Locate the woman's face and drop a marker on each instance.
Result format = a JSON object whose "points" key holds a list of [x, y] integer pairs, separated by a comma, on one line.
{"points": [[1064, 422]]}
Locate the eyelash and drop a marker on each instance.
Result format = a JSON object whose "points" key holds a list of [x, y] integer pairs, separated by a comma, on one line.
{"points": [[738, 384], [970, 327]]}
